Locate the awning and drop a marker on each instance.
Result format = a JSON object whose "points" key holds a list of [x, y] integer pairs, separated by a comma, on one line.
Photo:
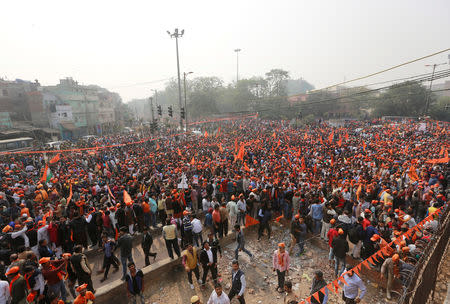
{"points": [[68, 126]]}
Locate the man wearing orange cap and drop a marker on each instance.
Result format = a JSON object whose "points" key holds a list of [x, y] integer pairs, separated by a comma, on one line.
{"points": [[17, 286], [340, 249], [390, 269], [52, 273], [280, 262], [85, 296]]}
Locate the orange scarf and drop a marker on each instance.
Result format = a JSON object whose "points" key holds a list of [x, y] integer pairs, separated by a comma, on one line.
{"points": [[281, 258], [12, 282]]}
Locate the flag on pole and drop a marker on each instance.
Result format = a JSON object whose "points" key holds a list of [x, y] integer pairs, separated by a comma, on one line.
{"points": [[55, 159], [47, 175]]}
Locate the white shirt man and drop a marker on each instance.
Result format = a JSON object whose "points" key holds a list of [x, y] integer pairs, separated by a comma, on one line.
{"points": [[4, 292], [197, 226], [206, 205], [218, 296]]}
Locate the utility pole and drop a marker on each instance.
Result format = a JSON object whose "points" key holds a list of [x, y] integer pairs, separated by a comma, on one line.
{"points": [[151, 108], [427, 103], [237, 64], [185, 103], [177, 35]]}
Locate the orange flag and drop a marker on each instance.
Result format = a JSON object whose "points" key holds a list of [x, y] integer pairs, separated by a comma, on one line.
{"points": [[109, 191], [303, 163], [157, 146], [55, 159], [70, 194], [278, 218], [246, 167], [364, 146], [206, 133], [240, 154], [330, 138], [274, 135], [250, 221], [236, 147], [316, 296], [315, 168], [346, 136], [306, 136], [413, 174], [193, 161], [179, 151], [218, 132], [127, 198], [340, 141], [366, 264], [220, 148], [342, 280]]}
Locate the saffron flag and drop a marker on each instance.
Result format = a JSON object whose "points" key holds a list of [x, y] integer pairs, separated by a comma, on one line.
{"points": [[250, 221], [240, 154], [193, 161], [330, 138], [110, 193], [157, 146], [55, 159], [206, 133], [340, 141], [364, 146], [70, 195], [127, 198], [179, 152], [218, 132], [303, 164], [306, 136], [413, 174]]}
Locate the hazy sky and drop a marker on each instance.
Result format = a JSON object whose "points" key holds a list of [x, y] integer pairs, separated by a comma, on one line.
{"points": [[118, 44]]}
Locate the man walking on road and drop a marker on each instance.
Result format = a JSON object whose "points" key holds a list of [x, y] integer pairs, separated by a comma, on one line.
{"points": [[280, 263], [352, 288], [218, 296], [340, 249], [240, 243], [81, 268], [109, 257], [238, 283], [190, 263], [170, 237], [147, 241], [125, 243], [209, 263]]}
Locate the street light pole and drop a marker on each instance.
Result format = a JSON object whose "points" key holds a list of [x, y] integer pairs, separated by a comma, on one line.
{"points": [[151, 108], [177, 35], [185, 103], [237, 64], [427, 103]]}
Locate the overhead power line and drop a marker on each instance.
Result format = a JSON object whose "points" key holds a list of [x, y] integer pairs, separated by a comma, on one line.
{"points": [[383, 71]]}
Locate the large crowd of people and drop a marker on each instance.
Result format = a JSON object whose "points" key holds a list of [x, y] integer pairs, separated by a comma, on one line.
{"points": [[362, 183]]}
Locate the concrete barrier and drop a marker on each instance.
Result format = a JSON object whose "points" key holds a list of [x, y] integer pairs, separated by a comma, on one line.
{"points": [[115, 291]]}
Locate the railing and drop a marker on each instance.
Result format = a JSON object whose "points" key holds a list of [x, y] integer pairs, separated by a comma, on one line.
{"points": [[421, 284]]}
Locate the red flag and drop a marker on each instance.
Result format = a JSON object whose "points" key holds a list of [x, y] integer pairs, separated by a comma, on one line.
{"points": [[55, 159]]}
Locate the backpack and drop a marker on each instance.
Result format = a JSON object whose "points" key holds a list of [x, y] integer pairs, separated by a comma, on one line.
{"points": [[353, 234]]}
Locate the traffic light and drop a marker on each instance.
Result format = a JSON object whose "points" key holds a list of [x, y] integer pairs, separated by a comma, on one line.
{"points": [[170, 111], [182, 113], [159, 110]]}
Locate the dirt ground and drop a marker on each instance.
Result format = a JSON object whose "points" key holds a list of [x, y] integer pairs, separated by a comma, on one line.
{"points": [[173, 287], [441, 292]]}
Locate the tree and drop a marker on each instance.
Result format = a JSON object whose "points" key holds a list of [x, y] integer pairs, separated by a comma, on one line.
{"points": [[440, 109], [404, 99], [203, 95], [276, 82]]}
